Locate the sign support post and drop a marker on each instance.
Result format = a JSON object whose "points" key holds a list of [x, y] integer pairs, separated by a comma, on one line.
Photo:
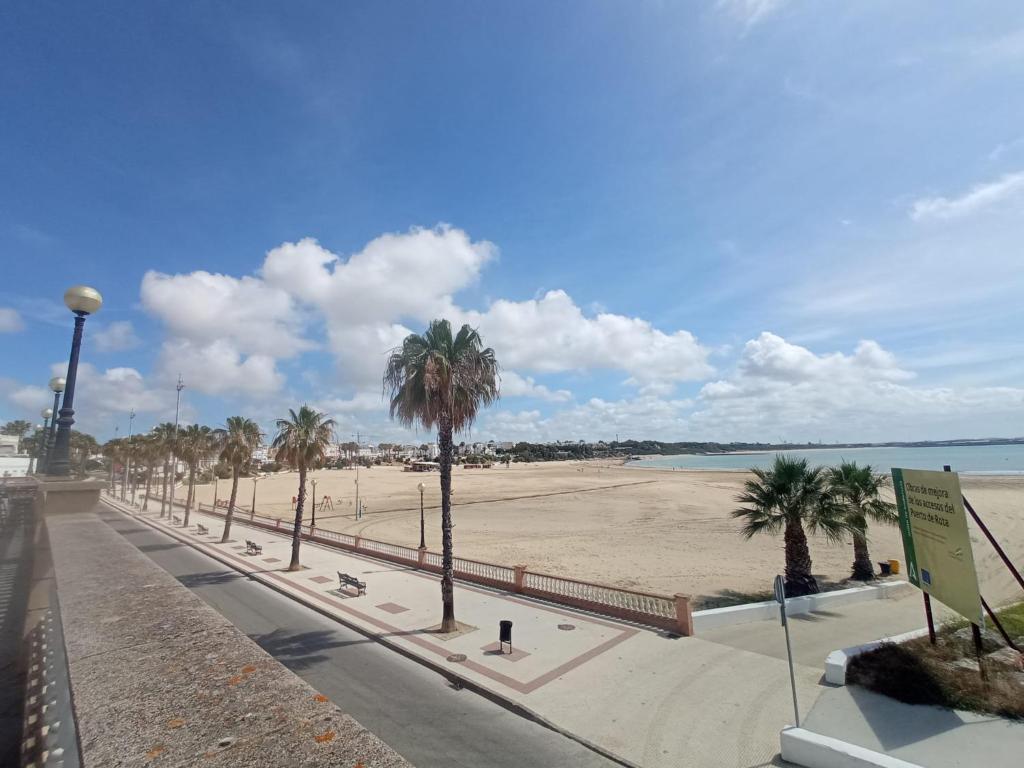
{"points": [[928, 615], [780, 595]]}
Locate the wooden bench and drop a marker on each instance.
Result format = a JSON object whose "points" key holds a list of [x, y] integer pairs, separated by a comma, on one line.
{"points": [[351, 581], [177, 520], [201, 529], [252, 548]]}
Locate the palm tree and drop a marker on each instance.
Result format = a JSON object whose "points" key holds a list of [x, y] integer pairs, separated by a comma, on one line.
{"points": [[856, 490], [196, 443], [150, 451], [163, 434], [438, 380], [238, 439], [302, 442], [787, 497], [114, 451]]}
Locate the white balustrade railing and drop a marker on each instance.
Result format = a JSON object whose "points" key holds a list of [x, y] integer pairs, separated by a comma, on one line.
{"points": [[611, 597], [391, 550], [489, 571]]}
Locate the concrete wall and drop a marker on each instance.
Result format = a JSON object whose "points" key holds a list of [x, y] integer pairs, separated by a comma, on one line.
{"points": [[157, 674]]}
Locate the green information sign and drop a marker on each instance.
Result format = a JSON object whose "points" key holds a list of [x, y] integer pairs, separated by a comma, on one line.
{"points": [[936, 542]]}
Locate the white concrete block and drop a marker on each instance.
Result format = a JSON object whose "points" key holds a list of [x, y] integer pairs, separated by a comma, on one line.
{"points": [[812, 750], [836, 661]]}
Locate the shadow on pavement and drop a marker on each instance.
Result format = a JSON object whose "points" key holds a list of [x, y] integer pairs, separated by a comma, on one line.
{"points": [[299, 650], [209, 578]]}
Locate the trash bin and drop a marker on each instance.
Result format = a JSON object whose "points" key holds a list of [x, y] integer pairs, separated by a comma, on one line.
{"points": [[885, 567], [894, 566], [505, 635]]}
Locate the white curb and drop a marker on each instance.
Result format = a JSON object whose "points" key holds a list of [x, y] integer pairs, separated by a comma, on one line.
{"points": [[812, 750], [769, 610]]}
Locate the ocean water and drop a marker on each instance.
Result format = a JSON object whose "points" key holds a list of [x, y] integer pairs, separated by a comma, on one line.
{"points": [[975, 459]]}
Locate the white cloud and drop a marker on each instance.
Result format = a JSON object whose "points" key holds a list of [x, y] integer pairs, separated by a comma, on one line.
{"points": [[750, 12], [250, 315], [10, 320], [102, 398], [551, 334], [979, 197], [366, 401], [514, 385], [644, 417], [218, 368], [116, 337], [31, 398], [368, 301], [782, 391]]}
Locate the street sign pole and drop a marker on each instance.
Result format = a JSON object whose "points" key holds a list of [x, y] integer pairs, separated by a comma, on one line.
{"points": [[780, 596]]}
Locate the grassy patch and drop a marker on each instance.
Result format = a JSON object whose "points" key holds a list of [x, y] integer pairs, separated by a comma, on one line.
{"points": [[916, 672]]}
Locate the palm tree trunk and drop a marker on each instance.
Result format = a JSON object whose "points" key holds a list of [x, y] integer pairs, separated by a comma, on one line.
{"points": [[444, 434], [163, 493], [191, 491], [799, 580], [863, 570], [124, 476], [231, 503], [297, 531], [149, 482]]}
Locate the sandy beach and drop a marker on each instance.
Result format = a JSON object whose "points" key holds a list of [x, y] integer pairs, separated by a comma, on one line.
{"points": [[660, 530]]}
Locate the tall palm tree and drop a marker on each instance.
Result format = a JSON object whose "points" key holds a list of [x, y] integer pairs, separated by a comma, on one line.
{"points": [[787, 497], [163, 434], [439, 380], [857, 491], [302, 442], [150, 451], [196, 443], [114, 451], [238, 439]]}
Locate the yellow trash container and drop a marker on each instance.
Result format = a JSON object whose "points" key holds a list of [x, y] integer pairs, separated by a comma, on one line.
{"points": [[894, 566]]}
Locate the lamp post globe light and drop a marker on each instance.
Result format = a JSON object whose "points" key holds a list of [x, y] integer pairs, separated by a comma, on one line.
{"points": [[423, 538], [81, 300], [56, 386]]}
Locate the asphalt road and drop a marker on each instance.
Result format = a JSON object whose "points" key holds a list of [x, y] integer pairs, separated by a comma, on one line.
{"points": [[416, 711]]}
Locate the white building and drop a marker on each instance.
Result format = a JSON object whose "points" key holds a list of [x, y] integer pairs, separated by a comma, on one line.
{"points": [[8, 445]]}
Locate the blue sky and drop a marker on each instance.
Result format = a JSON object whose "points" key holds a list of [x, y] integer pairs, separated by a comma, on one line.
{"points": [[736, 220]]}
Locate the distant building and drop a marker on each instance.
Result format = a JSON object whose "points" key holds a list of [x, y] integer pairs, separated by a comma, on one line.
{"points": [[262, 453], [8, 445]]}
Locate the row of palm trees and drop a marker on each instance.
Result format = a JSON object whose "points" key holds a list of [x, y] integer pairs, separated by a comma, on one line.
{"points": [[436, 380], [794, 498]]}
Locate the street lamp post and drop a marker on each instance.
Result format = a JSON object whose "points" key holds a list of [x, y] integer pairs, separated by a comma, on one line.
{"points": [[82, 300], [254, 481], [174, 447], [128, 463], [312, 522], [423, 535], [116, 428], [57, 386]]}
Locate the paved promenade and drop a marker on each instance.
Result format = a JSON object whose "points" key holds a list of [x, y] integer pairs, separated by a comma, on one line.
{"points": [[650, 699]]}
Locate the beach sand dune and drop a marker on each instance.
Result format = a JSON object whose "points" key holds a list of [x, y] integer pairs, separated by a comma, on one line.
{"points": [[648, 529]]}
